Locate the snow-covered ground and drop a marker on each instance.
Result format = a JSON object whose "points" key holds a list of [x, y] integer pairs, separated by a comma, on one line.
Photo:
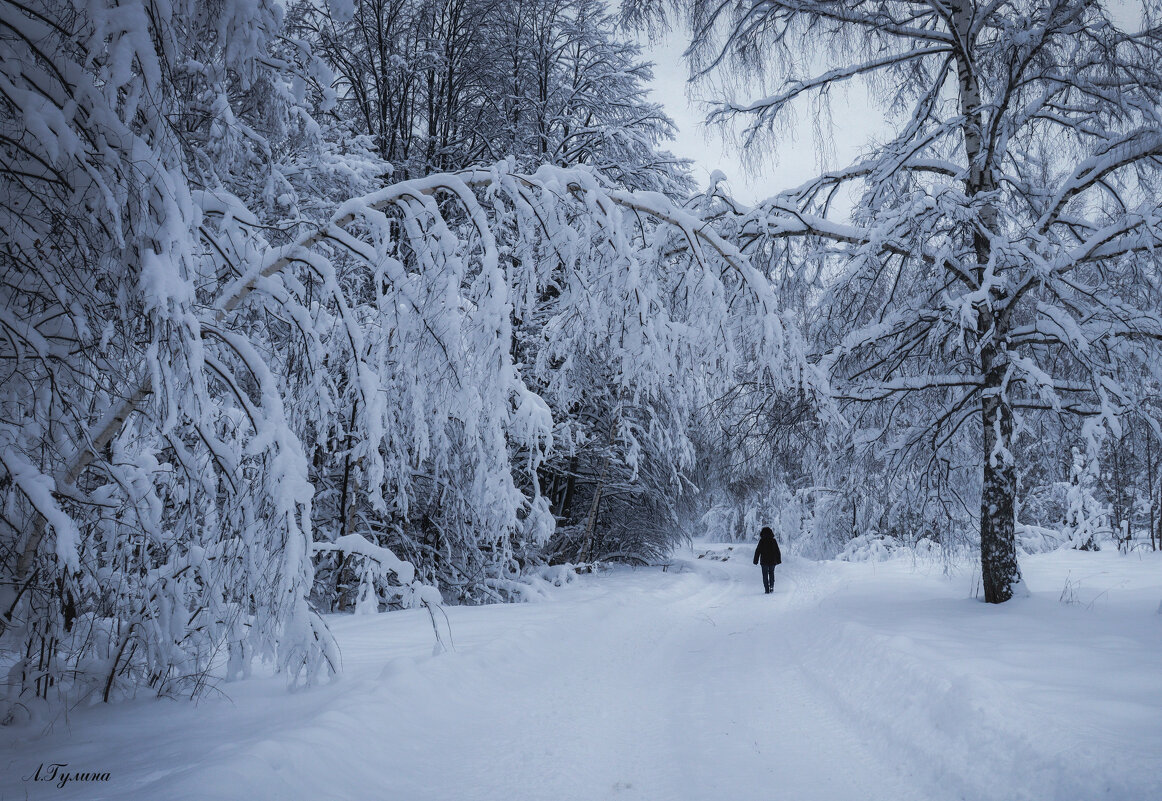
{"points": [[852, 681]]}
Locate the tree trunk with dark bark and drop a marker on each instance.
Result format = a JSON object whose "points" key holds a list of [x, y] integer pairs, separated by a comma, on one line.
{"points": [[998, 551]]}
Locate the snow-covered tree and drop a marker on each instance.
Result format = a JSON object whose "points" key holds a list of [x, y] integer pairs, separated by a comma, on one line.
{"points": [[156, 508], [1001, 262], [446, 85], [198, 336], [439, 86]]}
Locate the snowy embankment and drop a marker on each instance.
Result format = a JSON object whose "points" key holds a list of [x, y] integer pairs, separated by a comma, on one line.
{"points": [[852, 681]]}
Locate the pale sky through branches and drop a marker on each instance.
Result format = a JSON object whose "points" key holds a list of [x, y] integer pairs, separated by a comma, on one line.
{"points": [[855, 121], [751, 180]]}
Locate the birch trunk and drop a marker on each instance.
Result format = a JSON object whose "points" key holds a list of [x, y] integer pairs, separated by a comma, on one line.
{"points": [[998, 552]]}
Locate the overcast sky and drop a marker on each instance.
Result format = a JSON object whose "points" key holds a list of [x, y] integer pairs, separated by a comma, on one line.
{"points": [[794, 160]]}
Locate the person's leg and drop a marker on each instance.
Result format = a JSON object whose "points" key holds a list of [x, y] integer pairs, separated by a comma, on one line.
{"points": [[768, 577]]}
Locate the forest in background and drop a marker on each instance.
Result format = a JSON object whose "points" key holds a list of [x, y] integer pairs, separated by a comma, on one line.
{"points": [[364, 305]]}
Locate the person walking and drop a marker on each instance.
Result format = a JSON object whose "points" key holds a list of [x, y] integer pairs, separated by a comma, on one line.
{"points": [[767, 553]]}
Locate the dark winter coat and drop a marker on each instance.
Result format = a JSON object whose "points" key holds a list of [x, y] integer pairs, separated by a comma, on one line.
{"points": [[768, 551]]}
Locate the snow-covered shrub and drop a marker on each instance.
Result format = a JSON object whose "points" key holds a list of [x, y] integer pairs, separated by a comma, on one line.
{"points": [[876, 547], [872, 547], [1086, 521], [1038, 539]]}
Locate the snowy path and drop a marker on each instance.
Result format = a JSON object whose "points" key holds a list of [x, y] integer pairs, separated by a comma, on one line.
{"points": [[689, 684], [675, 693]]}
